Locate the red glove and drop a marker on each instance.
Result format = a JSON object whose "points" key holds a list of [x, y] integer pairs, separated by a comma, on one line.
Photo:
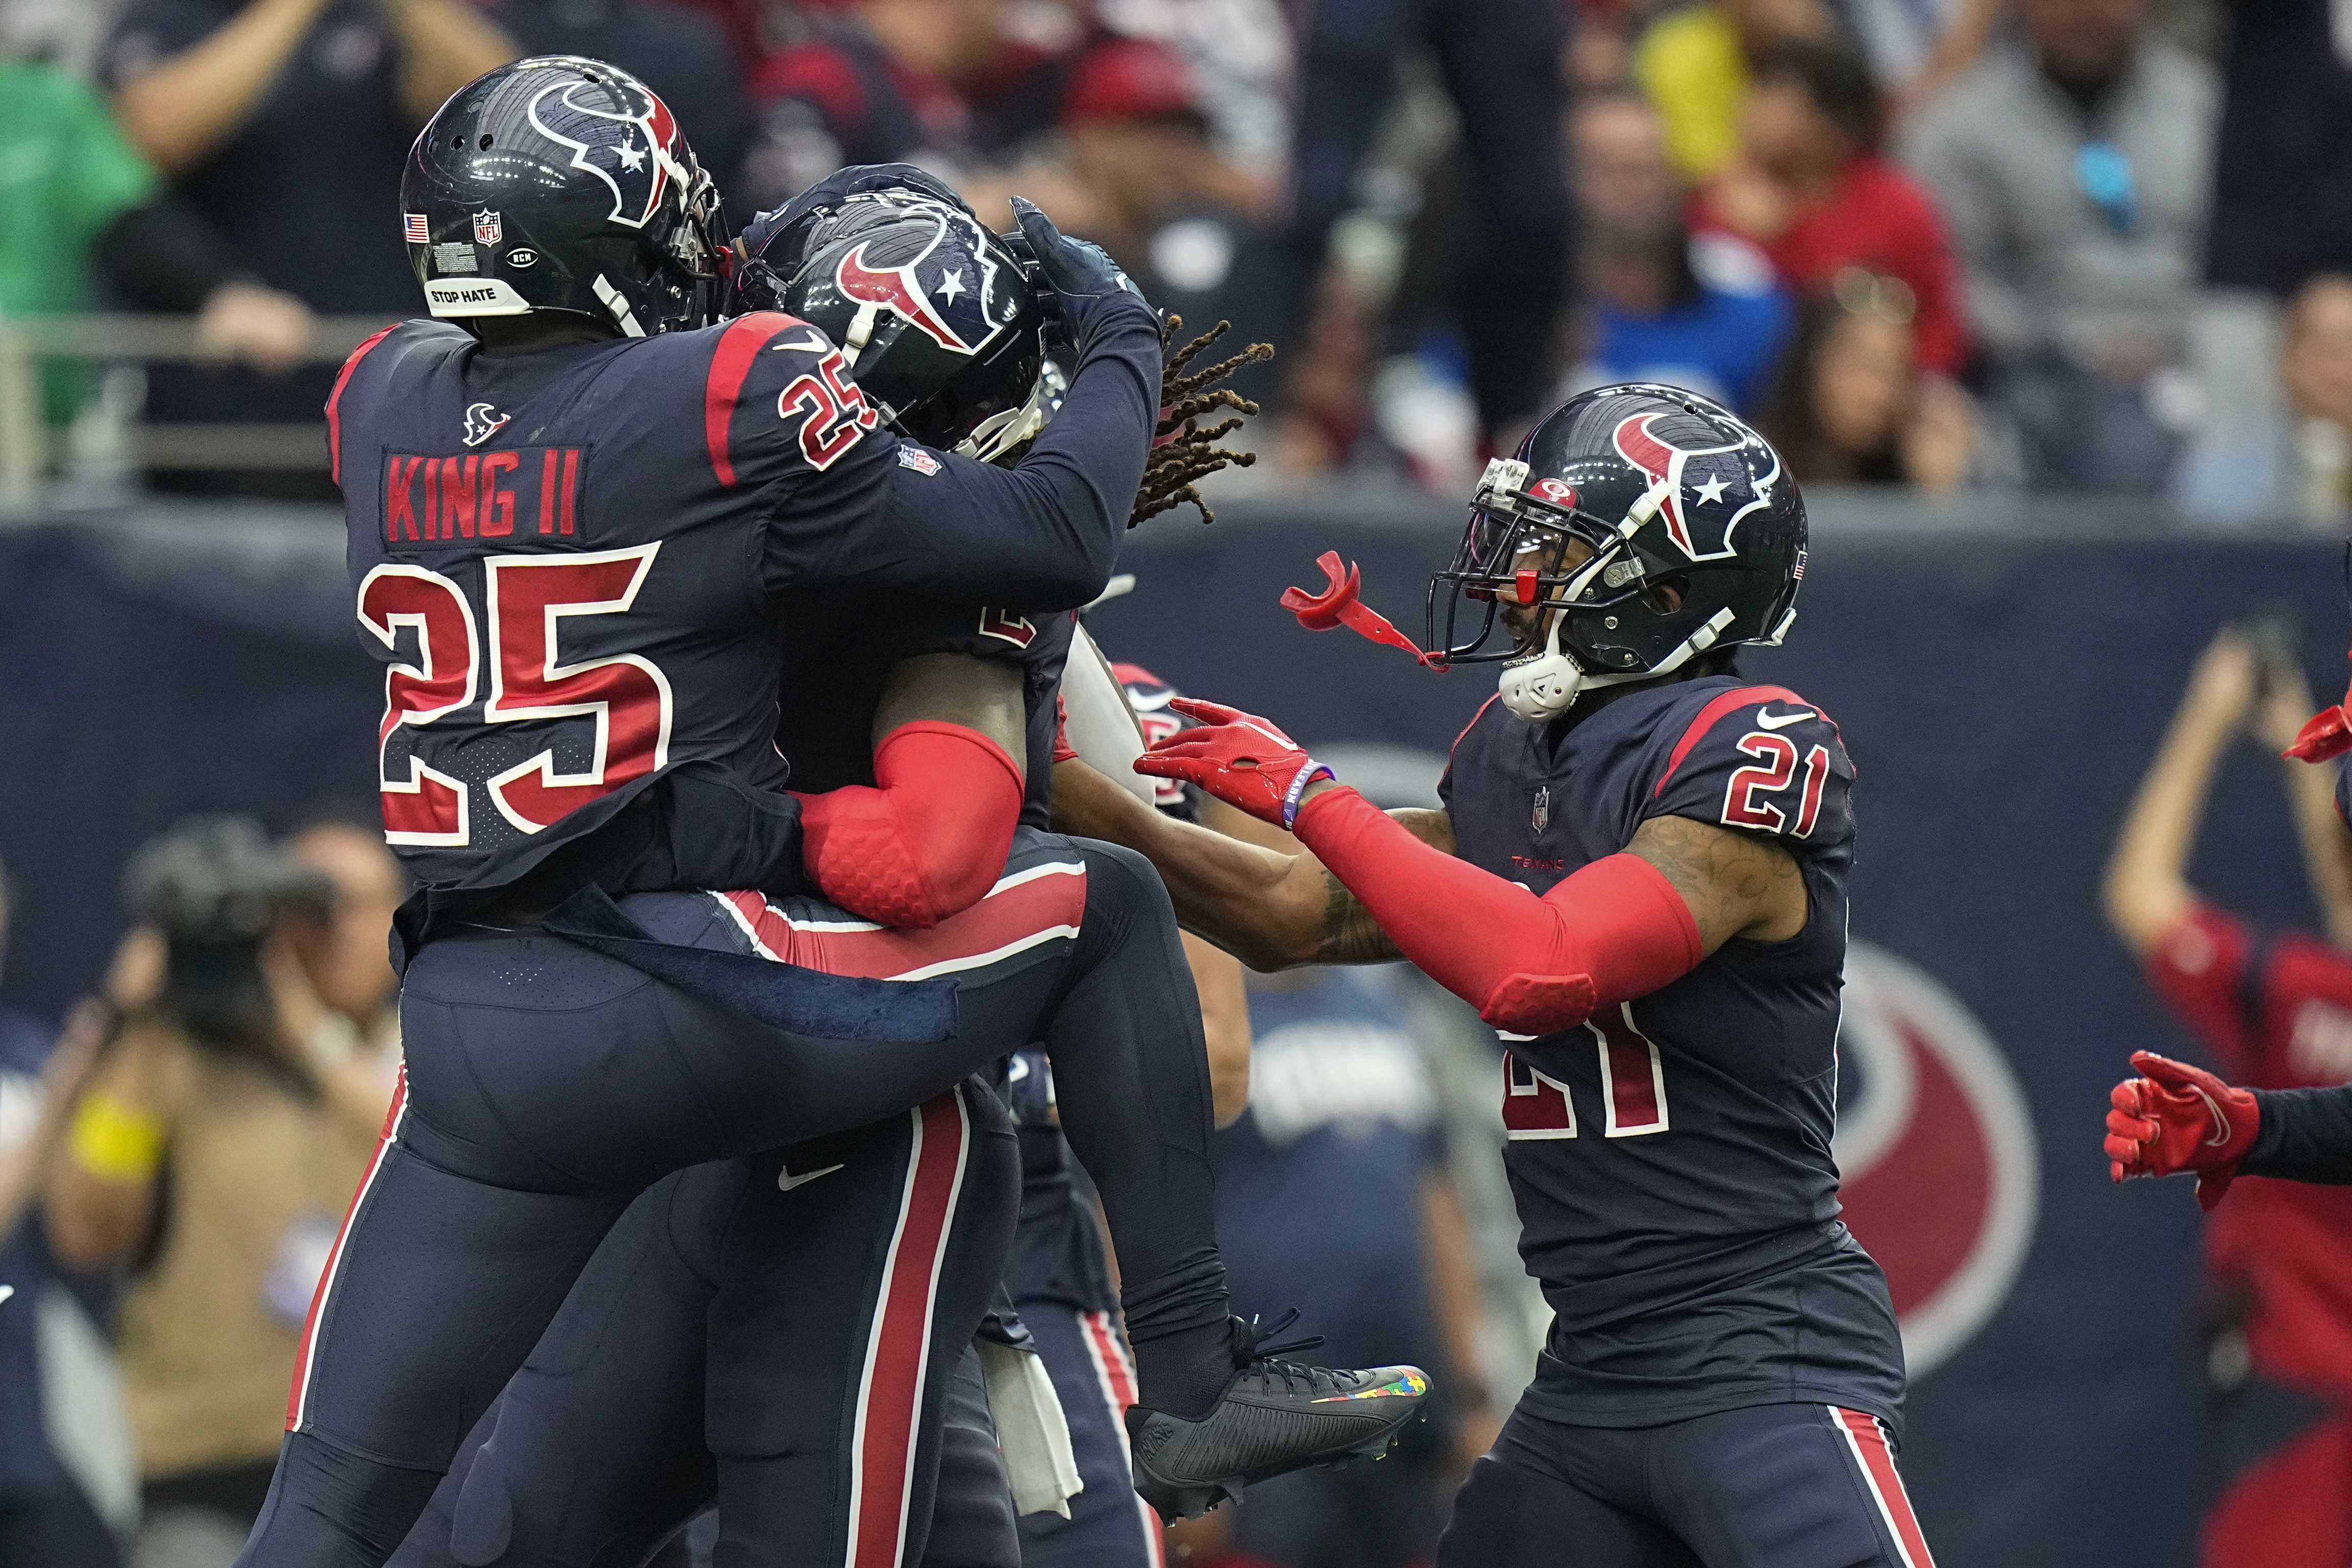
{"points": [[2180, 1118], [1239, 758], [1062, 750], [2326, 734]]}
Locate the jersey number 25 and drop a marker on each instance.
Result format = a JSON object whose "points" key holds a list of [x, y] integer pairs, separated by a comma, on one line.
{"points": [[529, 597]]}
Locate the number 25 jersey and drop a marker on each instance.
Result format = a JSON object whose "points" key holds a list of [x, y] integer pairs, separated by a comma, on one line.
{"points": [[1670, 1158], [572, 564]]}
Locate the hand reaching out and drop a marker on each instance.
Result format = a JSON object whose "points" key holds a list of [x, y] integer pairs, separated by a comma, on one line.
{"points": [[2178, 1118]]}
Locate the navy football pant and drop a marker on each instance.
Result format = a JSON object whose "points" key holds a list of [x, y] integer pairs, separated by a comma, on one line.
{"points": [[1060, 1283], [1109, 1526], [547, 1085], [789, 1351], [1771, 1486]]}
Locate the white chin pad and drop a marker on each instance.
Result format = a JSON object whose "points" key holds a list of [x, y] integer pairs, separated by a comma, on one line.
{"points": [[1541, 688]]}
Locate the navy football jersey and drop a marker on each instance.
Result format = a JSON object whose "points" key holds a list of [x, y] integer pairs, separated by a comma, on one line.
{"points": [[1670, 1158], [569, 563]]}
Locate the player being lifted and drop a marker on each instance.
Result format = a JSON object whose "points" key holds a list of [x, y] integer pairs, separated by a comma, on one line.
{"points": [[1638, 876], [574, 510]]}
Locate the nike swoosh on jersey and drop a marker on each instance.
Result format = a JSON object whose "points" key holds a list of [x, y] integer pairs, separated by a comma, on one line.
{"points": [[816, 345], [786, 1181], [1781, 721]]}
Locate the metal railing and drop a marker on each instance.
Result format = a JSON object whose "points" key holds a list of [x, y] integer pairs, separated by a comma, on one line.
{"points": [[28, 448]]}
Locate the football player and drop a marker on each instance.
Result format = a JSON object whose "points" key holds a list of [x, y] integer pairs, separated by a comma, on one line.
{"points": [[2175, 1118], [1638, 876], [2261, 1003], [574, 511]]}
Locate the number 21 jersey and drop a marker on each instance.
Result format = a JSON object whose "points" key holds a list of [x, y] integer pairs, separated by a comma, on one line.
{"points": [[1670, 1158]]}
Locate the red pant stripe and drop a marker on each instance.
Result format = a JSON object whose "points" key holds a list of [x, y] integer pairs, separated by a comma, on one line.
{"points": [[1115, 1376], [1868, 1440], [298, 1397], [898, 1352], [1021, 911]]}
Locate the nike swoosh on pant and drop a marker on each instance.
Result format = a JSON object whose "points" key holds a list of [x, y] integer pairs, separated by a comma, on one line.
{"points": [[786, 1181]]}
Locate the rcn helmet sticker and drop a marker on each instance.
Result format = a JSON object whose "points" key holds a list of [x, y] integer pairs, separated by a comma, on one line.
{"points": [[1708, 488], [618, 132]]}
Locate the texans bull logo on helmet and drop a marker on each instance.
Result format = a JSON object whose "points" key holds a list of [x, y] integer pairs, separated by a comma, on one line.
{"points": [[908, 274], [1709, 488], [619, 132]]}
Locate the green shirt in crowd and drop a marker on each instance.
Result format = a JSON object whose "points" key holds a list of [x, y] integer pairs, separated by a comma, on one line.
{"points": [[65, 173]]}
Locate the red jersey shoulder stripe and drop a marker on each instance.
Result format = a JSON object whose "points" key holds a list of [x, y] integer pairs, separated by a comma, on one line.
{"points": [[334, 424], [730, 362], [1728, 702], [1466, 728]]}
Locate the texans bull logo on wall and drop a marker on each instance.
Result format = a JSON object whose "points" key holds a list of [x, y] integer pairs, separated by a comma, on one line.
{"points": [[1935, 1149], [621, 133], [1709, 485]]}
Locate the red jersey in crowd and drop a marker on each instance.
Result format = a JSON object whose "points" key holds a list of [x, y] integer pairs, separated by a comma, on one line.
{"points": [[1876, 217], [2276, 1013]]}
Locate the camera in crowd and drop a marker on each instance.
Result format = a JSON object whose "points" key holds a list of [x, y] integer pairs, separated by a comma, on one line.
{"points": [[215, 888]]}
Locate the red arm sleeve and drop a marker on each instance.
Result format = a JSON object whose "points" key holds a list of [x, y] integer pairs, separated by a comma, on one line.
{"points": [[1614, 931], [931, 841]]}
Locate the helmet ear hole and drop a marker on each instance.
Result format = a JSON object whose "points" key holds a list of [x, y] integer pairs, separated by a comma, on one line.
{"points": [[1666, 596]]}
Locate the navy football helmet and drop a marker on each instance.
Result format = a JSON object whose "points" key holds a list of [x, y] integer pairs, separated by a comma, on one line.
{"points": [[940, 324], [562, 185], [1693, 537]]}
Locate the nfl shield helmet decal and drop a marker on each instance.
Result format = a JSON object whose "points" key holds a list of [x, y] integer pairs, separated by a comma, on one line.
{"points": [[486, 227], [1937, 1152], [1709, 487], [619, 132]]}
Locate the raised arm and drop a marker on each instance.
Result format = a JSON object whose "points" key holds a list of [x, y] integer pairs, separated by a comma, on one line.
{"points": [[444, 45], [2285, 702], [1041, 535], [179, 110], [2146, 890]]}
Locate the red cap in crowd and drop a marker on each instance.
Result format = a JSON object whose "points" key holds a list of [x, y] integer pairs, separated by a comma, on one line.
{"points": [[1130, 78]]}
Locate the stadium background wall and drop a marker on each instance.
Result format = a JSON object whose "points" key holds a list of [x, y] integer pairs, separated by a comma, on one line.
{"points": [[2000, 687]]}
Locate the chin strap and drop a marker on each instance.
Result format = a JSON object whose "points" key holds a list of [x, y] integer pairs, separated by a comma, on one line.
{"points": [[1540, 689]]}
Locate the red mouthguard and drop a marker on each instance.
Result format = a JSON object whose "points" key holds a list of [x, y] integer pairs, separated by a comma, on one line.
{"points": [[1338, 605]]}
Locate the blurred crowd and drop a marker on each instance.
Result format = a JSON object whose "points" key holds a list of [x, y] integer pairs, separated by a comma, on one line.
{"points": [[2072, 245]]}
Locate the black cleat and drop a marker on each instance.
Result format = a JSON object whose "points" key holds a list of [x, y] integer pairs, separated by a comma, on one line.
{"points": [[1274, 1417]]}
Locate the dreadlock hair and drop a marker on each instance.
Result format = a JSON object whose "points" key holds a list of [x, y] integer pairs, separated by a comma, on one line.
{"points": [[1181, 451]]}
